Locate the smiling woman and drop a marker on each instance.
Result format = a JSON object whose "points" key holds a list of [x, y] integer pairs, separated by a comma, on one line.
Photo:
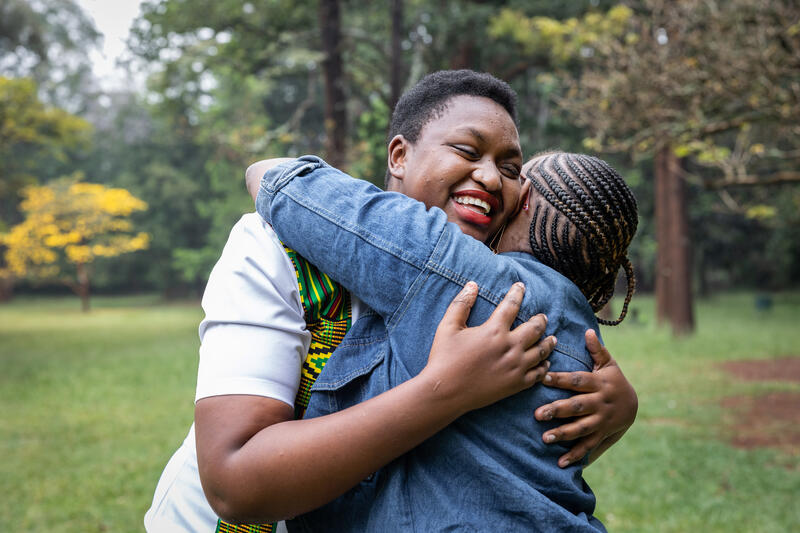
{"points": [[466, 162]]}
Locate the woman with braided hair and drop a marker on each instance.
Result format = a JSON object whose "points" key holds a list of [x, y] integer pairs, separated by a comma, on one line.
{"points": [[579, 218]]}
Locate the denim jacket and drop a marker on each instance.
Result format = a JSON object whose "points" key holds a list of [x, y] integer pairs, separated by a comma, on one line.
{"points": [[489, 470]]}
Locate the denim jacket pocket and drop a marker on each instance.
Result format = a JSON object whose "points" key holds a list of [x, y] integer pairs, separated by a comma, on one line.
{"points": [[354, 372]]}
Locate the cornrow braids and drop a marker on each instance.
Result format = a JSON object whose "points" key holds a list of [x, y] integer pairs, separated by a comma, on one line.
{"points": [[583, 220]]}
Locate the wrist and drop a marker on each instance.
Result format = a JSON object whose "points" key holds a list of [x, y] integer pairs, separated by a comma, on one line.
{"points": [[442, 393]]}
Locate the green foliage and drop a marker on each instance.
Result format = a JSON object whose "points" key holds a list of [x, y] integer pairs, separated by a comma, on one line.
{"points": [[562, 40], [32, 134], [49, 40], [231, 82], [369, 150]]}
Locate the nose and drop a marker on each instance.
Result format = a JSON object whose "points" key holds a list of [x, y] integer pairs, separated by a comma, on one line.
{"points": [[488, 175]]}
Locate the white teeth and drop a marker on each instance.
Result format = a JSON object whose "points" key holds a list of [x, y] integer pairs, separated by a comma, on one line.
{"points": [[470, 200]]}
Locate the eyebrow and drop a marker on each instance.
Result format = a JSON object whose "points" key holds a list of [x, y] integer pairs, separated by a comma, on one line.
{"points": [[477, 134], [511, 152]]}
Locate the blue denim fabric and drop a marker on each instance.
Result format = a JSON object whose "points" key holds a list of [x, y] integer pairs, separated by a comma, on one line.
{"points": [[489, 470]]}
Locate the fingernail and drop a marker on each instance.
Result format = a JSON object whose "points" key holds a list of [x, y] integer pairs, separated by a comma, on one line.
{"points": [[548, 364], [519, 285], [555, 340], [551, 437], [547, 377], [563, 462], [470, 286]]}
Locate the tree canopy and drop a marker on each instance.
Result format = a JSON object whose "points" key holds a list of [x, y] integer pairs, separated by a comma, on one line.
{"points": [[233, 81]]}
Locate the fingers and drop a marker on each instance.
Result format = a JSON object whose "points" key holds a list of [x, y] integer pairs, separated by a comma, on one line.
{"points": [[537, 373], [540, 351], [458, 311], [579, 404], [574, 381], [580, 427], [599, 353], [507, 310], [528, 333], [579, 450]]}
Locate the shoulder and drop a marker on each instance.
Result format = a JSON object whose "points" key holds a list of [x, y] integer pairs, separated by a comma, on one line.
{"points": [[251, 236], [253, 251], [252, 271]]}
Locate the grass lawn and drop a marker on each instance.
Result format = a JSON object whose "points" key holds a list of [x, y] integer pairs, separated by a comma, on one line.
{"points": [[94, 404]]}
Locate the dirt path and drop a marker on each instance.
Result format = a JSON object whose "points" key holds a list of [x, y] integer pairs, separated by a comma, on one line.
{"points": [[771, 419]]}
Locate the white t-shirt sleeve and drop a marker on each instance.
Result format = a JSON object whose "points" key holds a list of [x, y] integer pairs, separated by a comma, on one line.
{"points": [[254, 337]]}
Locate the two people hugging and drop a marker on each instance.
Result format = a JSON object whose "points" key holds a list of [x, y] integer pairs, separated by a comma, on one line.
{"points": [[368, 363]]}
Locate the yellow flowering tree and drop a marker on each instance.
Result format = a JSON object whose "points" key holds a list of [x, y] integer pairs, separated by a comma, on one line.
{"points": [[68, 224]]}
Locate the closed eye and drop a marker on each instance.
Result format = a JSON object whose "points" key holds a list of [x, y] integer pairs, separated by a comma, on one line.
{"points": [[467, 151], [512, 171]]}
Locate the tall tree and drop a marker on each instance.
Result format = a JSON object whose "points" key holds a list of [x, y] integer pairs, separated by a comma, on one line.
{"points": [[708, 81], [397, 72], [333, 74]]}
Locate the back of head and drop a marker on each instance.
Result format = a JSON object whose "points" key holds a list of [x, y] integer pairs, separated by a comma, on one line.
{"points": [[426, 100], [584, 218]]}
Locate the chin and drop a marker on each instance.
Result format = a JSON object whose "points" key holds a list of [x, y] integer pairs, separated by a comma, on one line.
{"points": [[478, 236]]}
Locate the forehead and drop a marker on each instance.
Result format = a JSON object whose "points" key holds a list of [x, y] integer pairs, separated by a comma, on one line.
{"points": [[482, 117]]}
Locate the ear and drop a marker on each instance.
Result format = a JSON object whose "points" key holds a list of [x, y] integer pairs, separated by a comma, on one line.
{"points": [[397, 150], [524, 196]]}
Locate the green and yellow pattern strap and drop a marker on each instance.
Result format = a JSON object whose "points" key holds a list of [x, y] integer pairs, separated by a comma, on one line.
{"points": [[328, 315]]}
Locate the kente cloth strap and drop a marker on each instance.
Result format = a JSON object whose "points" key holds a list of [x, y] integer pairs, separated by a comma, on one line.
{"points": [[328, 315]]}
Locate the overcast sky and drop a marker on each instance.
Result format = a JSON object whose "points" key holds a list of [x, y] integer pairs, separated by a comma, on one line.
{"points": [[113, 19]]}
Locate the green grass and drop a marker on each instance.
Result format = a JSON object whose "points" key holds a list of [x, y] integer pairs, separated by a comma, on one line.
{"points": [[92, 405], [674, 470]]}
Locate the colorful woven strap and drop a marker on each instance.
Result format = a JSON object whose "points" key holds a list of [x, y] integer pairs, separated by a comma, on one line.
{"points": [[224, 527], [328, 316]]}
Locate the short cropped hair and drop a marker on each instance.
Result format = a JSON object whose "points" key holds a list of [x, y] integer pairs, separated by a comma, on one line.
{"points": [[428, 99]]}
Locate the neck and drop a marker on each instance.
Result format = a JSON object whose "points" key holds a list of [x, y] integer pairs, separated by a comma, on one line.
{"points": [[516, 237]]}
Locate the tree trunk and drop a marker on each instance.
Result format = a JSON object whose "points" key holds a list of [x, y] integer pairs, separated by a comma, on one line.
{"points": [[464, 56], [6, 289], [673, 262], [396, 75], [82, 287], [335, 103]]}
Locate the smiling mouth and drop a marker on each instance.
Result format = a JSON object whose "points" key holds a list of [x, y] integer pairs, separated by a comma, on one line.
{"points": [[476, 207], [474, 204]]}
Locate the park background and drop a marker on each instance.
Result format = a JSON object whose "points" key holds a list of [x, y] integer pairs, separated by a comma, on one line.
{"points": [[117, 193]]}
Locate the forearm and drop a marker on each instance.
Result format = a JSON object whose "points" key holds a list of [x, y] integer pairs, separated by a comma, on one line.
{"points": [[351, 230], [295, 466]]}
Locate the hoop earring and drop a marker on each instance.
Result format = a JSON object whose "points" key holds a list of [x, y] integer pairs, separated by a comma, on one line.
{"points": [[527, 198]]}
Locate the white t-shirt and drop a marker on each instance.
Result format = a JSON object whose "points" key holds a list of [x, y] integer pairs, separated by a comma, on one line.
{"points": [[253, 341]]}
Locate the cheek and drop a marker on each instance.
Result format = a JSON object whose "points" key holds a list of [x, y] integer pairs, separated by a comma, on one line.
{"points": [[435, 192], [511, 197]]}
